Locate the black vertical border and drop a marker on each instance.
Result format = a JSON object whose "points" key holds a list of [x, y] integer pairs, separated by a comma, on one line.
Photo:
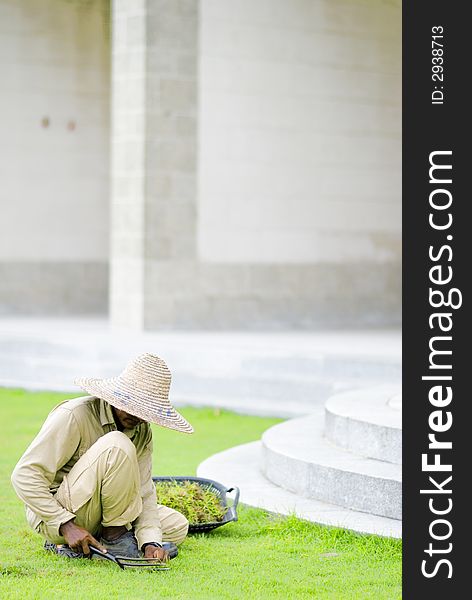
{"points": [[426, 128]]}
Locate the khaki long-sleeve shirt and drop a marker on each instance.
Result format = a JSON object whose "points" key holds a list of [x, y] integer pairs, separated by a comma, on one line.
{"points": [[68, 432]]}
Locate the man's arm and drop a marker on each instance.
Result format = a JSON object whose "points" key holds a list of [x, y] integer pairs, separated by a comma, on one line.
{"points": [[32, 477], [36, 470]]}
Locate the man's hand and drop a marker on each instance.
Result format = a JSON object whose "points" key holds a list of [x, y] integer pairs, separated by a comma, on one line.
{"points": [[159, 553], [79, 538]]}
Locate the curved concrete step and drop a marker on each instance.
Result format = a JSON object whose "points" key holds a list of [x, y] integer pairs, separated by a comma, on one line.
{"points": [[297, 457], [367, 422], [239, 466]]}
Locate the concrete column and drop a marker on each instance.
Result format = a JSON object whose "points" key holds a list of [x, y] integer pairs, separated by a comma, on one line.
{"points": [[154, 78], [295, 220]]}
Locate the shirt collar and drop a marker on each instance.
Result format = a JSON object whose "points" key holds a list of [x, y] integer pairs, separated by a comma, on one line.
{"points": [[106, 414], [107, 418]]}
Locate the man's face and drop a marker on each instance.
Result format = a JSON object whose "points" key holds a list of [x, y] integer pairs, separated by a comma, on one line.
{"points": [[126, 420]]}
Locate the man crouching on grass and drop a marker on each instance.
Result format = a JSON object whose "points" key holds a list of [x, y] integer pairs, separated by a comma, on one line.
{"points": [[86, 479]]}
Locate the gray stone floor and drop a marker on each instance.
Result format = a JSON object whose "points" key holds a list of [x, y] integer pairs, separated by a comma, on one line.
{"points": [[268, 373]]}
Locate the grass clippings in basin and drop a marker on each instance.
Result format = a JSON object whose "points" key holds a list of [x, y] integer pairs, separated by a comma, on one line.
{"points": [[197, 503]]}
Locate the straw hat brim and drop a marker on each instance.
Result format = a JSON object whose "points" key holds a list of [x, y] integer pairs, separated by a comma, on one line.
{"points": [[128, 396]]}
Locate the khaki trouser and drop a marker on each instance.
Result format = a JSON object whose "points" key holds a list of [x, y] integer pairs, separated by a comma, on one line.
{"points": [[103, 488]]}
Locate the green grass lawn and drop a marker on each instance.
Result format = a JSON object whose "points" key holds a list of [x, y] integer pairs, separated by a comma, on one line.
{"points": [[260, 556]]}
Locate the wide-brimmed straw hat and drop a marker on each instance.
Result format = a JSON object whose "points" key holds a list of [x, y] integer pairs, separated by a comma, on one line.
{"points": [[141, 390]]}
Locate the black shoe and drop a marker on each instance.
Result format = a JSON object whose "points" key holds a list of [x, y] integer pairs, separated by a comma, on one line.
{"points": [[171, 548], [62, 550], [125, 545]]}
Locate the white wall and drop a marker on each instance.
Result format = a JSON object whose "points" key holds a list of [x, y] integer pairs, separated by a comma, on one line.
{"points": [[54, 63], [300, 125]]}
